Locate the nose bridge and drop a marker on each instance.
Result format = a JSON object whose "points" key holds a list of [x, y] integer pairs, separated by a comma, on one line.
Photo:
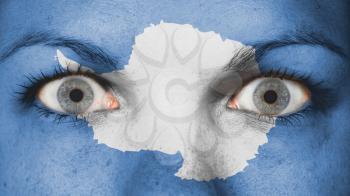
{"points": [[174, 95], [175, 63]]}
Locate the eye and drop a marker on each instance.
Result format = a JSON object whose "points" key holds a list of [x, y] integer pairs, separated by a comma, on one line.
{"points": [[271, 96], [76, 94]]}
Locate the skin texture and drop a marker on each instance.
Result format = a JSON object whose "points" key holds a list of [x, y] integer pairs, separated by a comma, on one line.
{"points": [[40, 157]]}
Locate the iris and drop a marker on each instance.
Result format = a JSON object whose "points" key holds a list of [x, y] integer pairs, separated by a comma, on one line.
{"points": [[75, 95], [271, 96]]}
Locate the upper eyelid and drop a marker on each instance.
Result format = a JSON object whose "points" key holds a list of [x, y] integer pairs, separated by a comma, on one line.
{"points": [[61, 73]]}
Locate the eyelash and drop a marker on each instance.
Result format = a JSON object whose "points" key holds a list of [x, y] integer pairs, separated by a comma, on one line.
{"points": [[325, 99], [28, 93]]}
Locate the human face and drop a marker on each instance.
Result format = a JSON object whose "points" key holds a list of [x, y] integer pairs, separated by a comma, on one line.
{"points": [[39, 156]]}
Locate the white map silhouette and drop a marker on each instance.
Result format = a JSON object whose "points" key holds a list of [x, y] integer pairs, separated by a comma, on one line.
{"points": [[172, 67]]}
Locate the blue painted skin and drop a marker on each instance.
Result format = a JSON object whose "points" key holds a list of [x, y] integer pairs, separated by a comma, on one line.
{"points": [[40, 157]]}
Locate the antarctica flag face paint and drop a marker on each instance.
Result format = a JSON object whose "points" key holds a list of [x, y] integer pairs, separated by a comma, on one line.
{"points": [[173, 97]]}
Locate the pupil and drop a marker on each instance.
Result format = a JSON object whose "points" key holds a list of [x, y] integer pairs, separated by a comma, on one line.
{"points": [[76, 95], [270, 96]]}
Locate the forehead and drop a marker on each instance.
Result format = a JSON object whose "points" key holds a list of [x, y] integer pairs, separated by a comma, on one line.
{"points": [[114, 24]]}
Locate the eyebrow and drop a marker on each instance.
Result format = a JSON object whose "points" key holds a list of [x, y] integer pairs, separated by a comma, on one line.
{"points": [[85, 49], [96, 55], [313, 39]]}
